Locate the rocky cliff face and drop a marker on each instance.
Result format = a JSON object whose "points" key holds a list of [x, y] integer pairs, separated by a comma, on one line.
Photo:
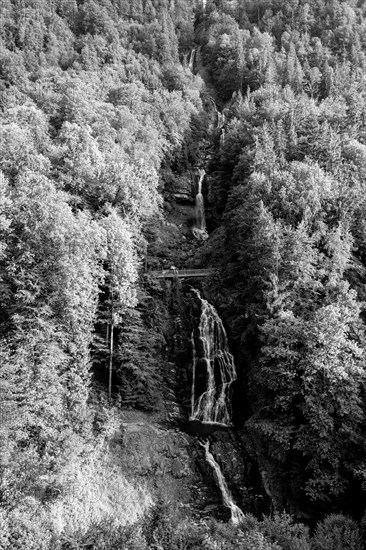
{"points": [[160, 450]]}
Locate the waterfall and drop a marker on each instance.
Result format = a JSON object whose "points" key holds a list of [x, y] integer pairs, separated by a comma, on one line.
{"points": [[213, 102], [236, 514], [222, 136], [193, 391], [199, 229], [190, 63], [200, 206], [216, 367], [220, 117], [191, 59], [220, 120]]}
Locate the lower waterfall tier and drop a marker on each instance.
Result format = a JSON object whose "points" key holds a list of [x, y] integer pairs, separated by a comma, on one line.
{"points": [[236, 514]]}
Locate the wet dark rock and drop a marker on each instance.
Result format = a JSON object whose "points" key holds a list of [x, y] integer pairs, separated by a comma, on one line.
{"points": [[196, 427], [168, 206], [183, 198]]}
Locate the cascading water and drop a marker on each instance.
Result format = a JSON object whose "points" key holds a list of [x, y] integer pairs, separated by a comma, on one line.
{"points": [[193, 391], [236, 514], [213, 405], [200, 206], [221, 119], [191, 59], [199, 229], [222, 136]]}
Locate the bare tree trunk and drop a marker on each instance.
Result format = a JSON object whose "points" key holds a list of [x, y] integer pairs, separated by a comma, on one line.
{"points": [[110, 362], [111, 330]]}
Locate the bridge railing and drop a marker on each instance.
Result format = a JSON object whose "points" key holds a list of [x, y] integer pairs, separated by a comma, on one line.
{"points": [[181, 273]]}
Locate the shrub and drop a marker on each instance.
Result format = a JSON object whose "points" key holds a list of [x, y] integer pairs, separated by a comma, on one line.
{"points": [[106, 535], [25, 528], [289, 535], [337, 532], [189, 536], [255, 540]]}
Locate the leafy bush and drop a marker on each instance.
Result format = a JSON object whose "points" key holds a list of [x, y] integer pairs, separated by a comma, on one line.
{"points": [[106, 535], [337, 532], [25, 528], [257, 541], [190, 536], [289, 535]]}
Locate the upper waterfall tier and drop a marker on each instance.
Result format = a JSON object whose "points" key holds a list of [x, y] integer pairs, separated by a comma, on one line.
{"points": [[199, 229], [213, 370]]}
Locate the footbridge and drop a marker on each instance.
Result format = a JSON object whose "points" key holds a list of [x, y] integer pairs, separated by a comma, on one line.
{"points": [[182, 273]]}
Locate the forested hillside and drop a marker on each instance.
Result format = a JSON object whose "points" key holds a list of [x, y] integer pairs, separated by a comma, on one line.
{"points": [[93, 98], [109, 111]]}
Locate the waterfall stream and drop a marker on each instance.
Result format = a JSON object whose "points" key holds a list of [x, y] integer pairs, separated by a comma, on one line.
{"points": [[199, 230], [236, 514], [215, 365], [193, 390], [191, 59]]}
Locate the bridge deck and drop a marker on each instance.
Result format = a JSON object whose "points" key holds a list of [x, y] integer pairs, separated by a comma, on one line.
{"points": [[182, 273]]}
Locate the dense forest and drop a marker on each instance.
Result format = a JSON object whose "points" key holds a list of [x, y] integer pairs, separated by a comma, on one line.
{"points": [[109, 111]]}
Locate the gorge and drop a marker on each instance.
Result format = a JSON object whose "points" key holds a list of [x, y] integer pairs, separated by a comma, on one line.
{"points": [[211, 404]]}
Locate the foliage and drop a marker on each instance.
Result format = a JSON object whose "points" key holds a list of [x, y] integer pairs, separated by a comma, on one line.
{"points": [[139, 382], [93, 99], [337, 532], [283, 530], [99, 118], [288, 175], [105, 535]]}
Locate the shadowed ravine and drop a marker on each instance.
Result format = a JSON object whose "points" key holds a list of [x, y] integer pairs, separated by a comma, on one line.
{"points": [[213, 407]]}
